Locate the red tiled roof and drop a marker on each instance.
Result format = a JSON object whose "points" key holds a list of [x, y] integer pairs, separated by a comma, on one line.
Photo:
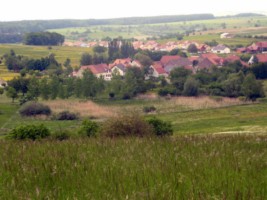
{"points": [[96, 69], [215, 59], [232, 58], [124, 61], [159, 68], [262, 44], [262, 58], [166, 59]]}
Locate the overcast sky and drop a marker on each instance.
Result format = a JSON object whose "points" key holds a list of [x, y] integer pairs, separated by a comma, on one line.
{"points": [[85, 9]]}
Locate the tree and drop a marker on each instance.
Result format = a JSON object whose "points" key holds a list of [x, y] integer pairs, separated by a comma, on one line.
{"points": [[178, 77], [67, 63], [88, 84], [134, 82], [99, 49], [12, 93], [143, 59], [192, 48], [251, 88], [232, 86], [86, 59], [43, 38], [191, 87]]}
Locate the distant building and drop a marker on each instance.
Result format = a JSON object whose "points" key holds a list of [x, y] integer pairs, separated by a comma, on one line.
{"points": [[221, 49], [226, 35]]}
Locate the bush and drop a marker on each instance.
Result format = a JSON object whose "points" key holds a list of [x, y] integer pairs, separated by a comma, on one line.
{"points": [[130, 124], [66, 115], [89, 128], [32, 132], [61, 135], [148, 109], [161, 128], [34, 108]]}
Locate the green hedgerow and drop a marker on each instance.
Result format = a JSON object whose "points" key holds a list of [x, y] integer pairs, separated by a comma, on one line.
{"points": [[32, 132], [161, 127], [89, 128]]}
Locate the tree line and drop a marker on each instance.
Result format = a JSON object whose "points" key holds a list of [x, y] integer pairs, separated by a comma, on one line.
{"points": [[43, 38]]}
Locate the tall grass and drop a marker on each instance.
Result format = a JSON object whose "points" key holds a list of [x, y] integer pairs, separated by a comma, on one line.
{"points": [[221, 167]]}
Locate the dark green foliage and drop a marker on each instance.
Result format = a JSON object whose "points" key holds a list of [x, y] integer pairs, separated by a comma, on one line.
{"points": [[66, 115], [43, 38], [251, 88], [61, 135], [178, 77], [148, 109], [89, 128], [260, 70], [161, 127], [127, 125], [212, 43], [232, 86], [191, 87], [99, 49], [34, 108], [192, 48], [86, 59], [12, 93], [32, 132]]}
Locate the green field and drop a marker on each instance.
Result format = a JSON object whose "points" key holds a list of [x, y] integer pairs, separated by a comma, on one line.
{"points": [[62, 53], [221, 167], [216, 152], [241, 26]]}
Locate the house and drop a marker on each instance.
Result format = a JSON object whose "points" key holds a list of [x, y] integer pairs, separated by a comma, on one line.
{"points": [[3, 83], [260, 58], [234, 58], [119, 69], [156, 70], [213, 58], [181, 62], [123, 61], [262, 47], [226, 35], [203, 48], [220, 49], [99, 70], [205, 63], [166, 59]]}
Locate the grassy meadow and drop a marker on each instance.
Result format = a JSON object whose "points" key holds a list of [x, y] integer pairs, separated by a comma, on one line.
{"points": [[203, 167], [218, 149]]}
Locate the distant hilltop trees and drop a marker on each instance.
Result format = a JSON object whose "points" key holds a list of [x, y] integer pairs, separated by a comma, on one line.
{"points": [[43, 38]]}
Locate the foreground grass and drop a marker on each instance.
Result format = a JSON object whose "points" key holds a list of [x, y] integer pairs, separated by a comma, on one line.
{"points": [[206, 167]]}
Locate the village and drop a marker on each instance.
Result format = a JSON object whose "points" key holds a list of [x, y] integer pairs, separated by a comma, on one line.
{"points": [[204, 58]]}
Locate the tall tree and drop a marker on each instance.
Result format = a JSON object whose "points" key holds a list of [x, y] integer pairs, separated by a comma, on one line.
{"points": [[252, 88], [86, 59]]}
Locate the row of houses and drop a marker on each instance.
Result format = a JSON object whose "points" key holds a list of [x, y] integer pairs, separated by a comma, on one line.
{"points": [[167, 64], [119, 67], [155, 46], [258, 47]]}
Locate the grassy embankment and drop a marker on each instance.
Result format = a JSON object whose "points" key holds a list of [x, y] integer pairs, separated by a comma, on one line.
{"points": [[188, 115]]}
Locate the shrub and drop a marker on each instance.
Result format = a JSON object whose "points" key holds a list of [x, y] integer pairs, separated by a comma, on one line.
{"points": [[148, 109], [32, 132], [130, 124], [161, 128], [89, 128], [34, 108], [61, 135], [66, 115]]}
